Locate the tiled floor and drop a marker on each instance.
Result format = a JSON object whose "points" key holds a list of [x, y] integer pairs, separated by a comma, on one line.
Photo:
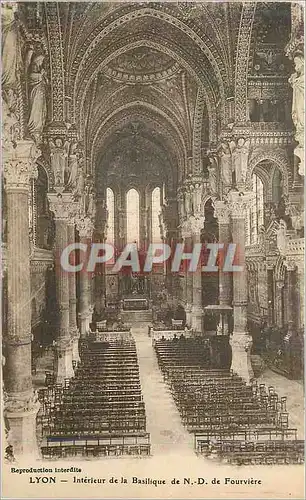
{"points": [[294, 391]]}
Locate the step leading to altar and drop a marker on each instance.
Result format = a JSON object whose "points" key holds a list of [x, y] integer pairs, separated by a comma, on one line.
{"points": [[141, 316]]}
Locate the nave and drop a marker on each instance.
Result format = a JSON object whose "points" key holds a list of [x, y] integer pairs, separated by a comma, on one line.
{"points": [[137, 396]]}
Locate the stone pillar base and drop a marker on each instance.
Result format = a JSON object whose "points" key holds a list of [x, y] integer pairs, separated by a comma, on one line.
{"points": [[241, 356], [22, 428], [64, 367], [196, 318], [75, 349], [85, 320], [188, 314]]}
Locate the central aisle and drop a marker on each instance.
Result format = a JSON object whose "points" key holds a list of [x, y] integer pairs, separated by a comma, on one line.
{"points": [[168, 436]]}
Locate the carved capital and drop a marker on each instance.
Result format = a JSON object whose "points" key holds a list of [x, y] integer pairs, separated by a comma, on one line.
{"points": [[222, 212], [74, 333], [238, 203], [186, 229], [21, 402], [20, 165], [196, 224], [241, 342], [290, 264], [85, 226], [63, 206]]}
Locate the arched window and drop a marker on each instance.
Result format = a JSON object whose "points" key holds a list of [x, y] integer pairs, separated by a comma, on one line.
{"points": [[110, 205], [255, 214], [132, 216], [155, 219]]}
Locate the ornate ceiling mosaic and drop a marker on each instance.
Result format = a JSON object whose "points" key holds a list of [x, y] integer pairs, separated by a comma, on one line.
{"points": [[141, 65]]}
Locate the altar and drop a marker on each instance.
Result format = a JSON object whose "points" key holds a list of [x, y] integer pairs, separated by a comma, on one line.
{"points": [[135, 304]]}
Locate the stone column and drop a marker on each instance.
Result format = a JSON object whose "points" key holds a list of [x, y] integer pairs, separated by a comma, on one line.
{"points": [[170, 215], [222, 213], [300, 290], [292, 310], [61, 204], [278, 302], [21, 404], [74, 331], [240, 341], [197, 224], [187, 240], [85, 228], [100, 237], [295, 52]]}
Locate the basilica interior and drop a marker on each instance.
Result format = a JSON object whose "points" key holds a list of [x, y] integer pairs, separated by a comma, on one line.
{"points": [[174, 123]]}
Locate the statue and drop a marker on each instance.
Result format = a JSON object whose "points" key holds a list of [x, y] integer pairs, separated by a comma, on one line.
{"points": [[11, 54], [37, 97], [240, 154], [80, 182], [212, 174], [188, 202], [197, 199], [59, 157], [297, 80], [91, 208], [281, 237], [226, 165], [72, 167]]}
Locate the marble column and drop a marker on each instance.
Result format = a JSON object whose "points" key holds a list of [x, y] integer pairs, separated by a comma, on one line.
{"points": [[74, 331], [278, 301], [20, 401], [222, 213], [240, 341], [62, 204], [188, 294], [100, 237], [300, 292], [197, 224], [292, 311], [85, 228]]}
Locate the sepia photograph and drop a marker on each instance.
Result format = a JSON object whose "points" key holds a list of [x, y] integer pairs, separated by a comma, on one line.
{"points": [[152, 249]]}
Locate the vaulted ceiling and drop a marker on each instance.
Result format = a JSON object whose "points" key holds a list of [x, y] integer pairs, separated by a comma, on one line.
{"points": [[171, 68]]}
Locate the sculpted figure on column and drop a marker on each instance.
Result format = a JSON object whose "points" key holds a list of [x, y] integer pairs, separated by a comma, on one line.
{"points": [[11, 65], [212, 174], [225, 164], [72, 167], [59, 149], [240, 154], [37, 81], [297, 81], [11, 54]]}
